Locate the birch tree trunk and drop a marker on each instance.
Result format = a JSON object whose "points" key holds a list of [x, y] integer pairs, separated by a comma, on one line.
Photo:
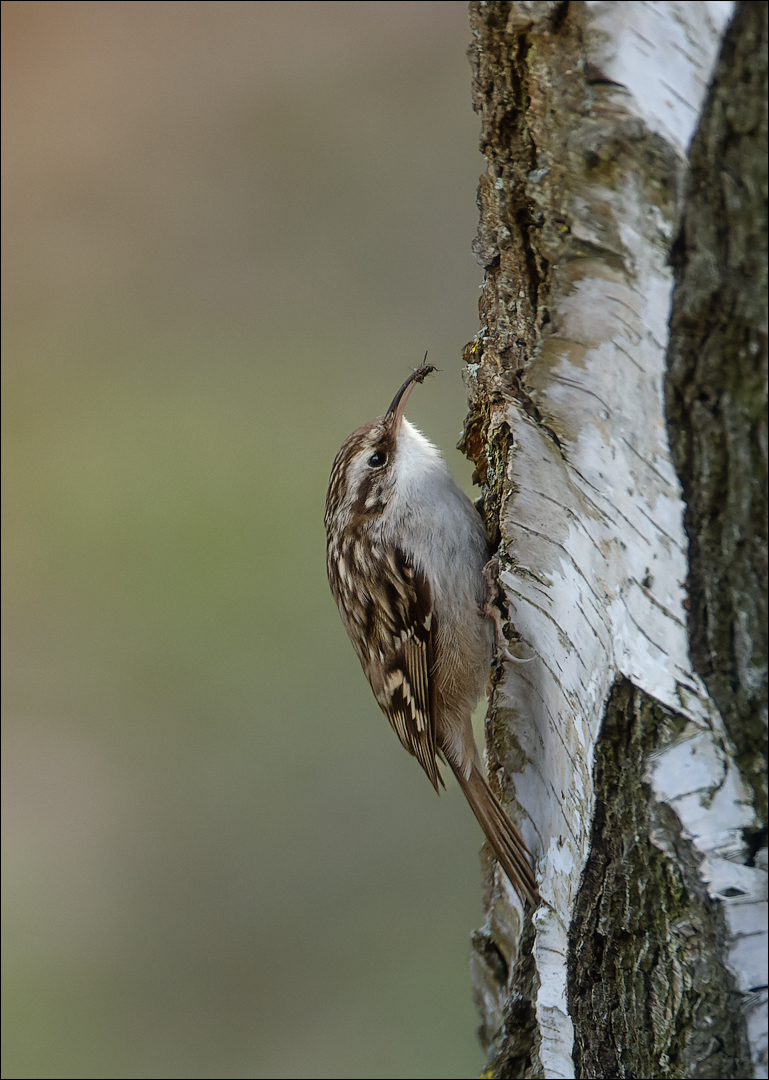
{"points": [[621, 448]]}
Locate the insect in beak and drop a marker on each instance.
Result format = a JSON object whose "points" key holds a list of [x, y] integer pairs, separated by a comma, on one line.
{"points": [[395, 412]]}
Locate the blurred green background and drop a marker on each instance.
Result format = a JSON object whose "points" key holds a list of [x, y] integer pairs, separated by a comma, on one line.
{"points": [[229, 230]]}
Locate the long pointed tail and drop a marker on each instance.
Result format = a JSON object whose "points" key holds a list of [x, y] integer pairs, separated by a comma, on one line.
{"points": [[512, 853]]}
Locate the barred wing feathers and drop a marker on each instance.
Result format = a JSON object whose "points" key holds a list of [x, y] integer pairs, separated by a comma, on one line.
{"points": [[393, 628]]}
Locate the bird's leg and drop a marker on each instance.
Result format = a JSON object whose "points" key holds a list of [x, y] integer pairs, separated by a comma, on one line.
{"points": [[491, 611]]}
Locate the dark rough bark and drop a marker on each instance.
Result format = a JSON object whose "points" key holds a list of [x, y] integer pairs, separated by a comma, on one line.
{"points": [[650, 994], [515, 241], [518, 1050], [716, 390]]}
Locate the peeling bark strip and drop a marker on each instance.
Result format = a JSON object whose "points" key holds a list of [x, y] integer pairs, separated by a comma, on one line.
{"points": [[608, 749]]}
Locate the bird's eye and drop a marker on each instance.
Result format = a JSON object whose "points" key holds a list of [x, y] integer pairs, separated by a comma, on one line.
{"points": [[377, 459]]}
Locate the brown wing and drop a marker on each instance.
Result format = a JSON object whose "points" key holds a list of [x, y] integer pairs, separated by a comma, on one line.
{"points": [[402, 627]]}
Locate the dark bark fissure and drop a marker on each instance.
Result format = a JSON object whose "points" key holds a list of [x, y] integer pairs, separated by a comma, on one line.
{"points": [[649, 991], [716, 391], [520, 1040]]}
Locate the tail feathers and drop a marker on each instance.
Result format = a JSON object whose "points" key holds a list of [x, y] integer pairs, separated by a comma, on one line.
{"points": [[512, 853]]}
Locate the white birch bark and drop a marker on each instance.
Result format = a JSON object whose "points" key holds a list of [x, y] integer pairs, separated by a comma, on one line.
{"points": [[591, 517]]}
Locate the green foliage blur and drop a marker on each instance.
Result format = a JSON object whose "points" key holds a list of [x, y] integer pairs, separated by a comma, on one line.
{"points": [[229, 230]]}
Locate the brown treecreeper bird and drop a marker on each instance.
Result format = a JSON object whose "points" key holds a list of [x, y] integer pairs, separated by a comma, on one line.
{"points": [[406, 552]]}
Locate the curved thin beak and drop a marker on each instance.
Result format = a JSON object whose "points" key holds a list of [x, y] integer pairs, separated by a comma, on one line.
{"points": [[395, 412]]}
